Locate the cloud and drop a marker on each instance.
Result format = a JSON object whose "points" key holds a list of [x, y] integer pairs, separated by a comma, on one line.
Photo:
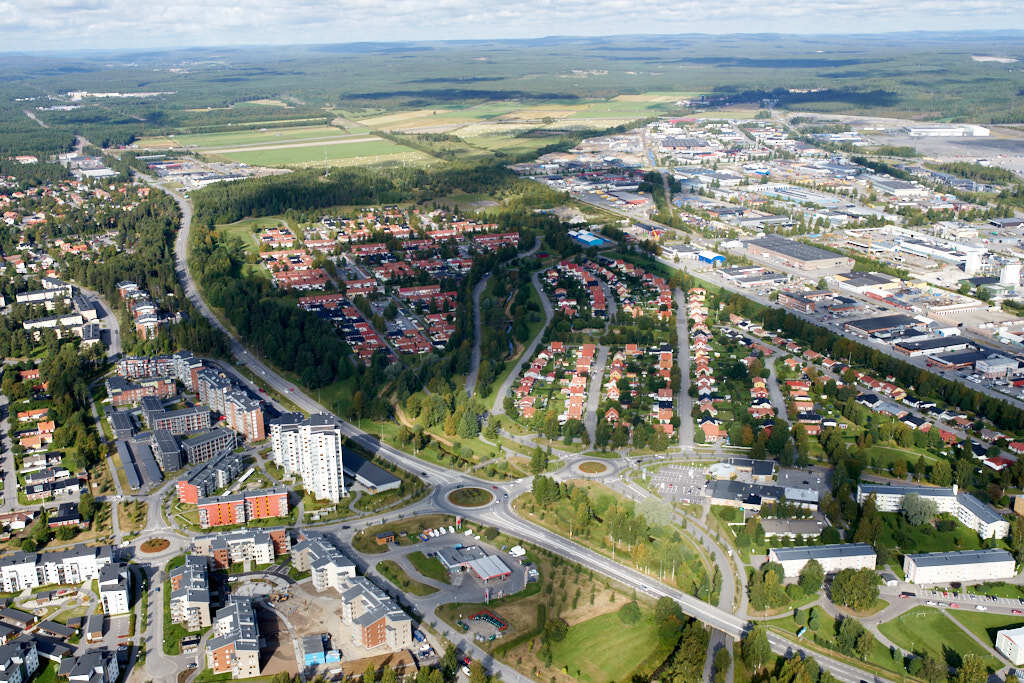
{"points": [[71, 24]]}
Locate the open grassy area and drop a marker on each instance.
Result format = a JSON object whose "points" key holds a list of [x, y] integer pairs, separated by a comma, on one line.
{"points": [[131, 515], [926, 629], [365, 541], [270, 136], [986, 626], [430, 567], [899, 533], [604, 649], [367, 150], [394, 573]]}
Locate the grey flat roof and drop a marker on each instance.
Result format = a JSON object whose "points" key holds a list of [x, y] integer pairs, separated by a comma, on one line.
{"points": [[128, 463], [886, 490], [364, 471], [980, 510], [961, 557], [794, 249], [858, 279], [147, 463], [884, 322], [933, 344], [818, 552]]}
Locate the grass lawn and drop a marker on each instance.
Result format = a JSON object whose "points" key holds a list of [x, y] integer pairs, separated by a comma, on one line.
{"points": [[999, 589], [131, 515], [46, 673], [986, 626], [394, 573], [899, 533], [366, 543], [470, 497], [926, 629], [604, 649], [430, 567]]}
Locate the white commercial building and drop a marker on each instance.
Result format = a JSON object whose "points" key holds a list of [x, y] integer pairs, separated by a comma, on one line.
{"points": [[312, 449], [971, 512], [1010, 642], [965, 566], [22, 570], [833, 558]]}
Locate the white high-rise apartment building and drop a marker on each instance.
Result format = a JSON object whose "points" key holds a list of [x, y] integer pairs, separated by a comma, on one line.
{"points": [[311, 448]]}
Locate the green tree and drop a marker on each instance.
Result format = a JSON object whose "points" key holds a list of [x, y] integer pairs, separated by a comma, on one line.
{"points": [[918, 510], [811, 577], [555, 630], [630, 613], [538, 461], [942, 473], [855, 588], [933, 668], [87, 507], [972, 670], [755, 648]]}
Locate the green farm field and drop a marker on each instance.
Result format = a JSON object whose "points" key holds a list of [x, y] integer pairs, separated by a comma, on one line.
{"points": [[366, 151]]}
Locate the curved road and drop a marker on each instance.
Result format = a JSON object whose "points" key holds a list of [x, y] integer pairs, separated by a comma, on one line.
{"points": [[513, 375], [499, 514]]}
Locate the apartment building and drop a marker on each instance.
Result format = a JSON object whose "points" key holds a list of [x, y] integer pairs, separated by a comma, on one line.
{"points": [[203, 447], [258, 546], [833, 558], [19, 660], [965, 566], [971, 512], [212, 475], [378, 621], [182, 366], [311, 447], [115, 588], [242, 413], [235, 645], [190, 593], [93, 666], [177, 422], [122, 392], [21, 570], [327, 565], [240, 508]]}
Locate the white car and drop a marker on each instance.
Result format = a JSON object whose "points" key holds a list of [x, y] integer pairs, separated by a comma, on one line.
{"points": [[981, 608]]}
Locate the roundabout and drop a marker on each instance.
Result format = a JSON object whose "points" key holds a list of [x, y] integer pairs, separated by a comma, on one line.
{"points": [[470, 497], [592, 467], [155, 545]]}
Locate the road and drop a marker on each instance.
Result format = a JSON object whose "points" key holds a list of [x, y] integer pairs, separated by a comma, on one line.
{"points": [[474, 362], [498, 514], [528, 353], [684, 402], [107, 321], [590, 416]]}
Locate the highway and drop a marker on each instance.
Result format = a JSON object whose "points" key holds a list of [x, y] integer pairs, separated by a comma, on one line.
{"points": [[500, 514]]}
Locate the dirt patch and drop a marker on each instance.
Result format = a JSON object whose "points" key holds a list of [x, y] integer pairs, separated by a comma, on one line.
{"points": [[278, 656], [155, 545], [592, 467], [399, 661]]}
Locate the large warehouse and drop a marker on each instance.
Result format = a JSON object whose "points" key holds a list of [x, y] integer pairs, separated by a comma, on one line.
{"points": [[882, 324], [965, 566], [796, 255], [833, 558]]}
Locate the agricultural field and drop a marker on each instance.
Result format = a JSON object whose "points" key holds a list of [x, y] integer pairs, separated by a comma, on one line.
{"points": [[293, 146]]}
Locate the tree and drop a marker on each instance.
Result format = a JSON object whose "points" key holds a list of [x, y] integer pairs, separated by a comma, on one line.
{"points": [[629, 613], [87, 507], [972, 670], [555, 630], [855, 588], [370, 675], [918, 510], [933, 668], [811, 577], [449, 661], [942, 473], [755, 648], [476, 672], [538, 461]]}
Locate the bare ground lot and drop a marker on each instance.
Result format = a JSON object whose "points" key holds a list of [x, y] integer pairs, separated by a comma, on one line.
{"points": [[279, 654]]}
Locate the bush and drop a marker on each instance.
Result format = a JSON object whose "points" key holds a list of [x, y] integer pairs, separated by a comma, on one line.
{"points": [[630, 613]]}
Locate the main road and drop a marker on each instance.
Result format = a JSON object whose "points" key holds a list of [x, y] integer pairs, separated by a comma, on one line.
{"points": [[500, 515]]}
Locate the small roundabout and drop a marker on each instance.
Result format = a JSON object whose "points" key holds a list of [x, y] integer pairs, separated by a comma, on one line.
{"points": [[470, 497], [155, 545], [591, 468]]}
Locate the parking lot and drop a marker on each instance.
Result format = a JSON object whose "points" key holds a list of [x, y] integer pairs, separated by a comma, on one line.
{"points": [[680, 483], [981, 603]]}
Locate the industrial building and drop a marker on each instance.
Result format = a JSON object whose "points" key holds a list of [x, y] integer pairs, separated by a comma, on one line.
{"points": [[794, 255], [833, 558], [881, 325], [924, 347], [965, 566]]}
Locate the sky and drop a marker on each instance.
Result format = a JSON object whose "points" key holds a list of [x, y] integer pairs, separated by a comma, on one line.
{"points": [[34, 25]]}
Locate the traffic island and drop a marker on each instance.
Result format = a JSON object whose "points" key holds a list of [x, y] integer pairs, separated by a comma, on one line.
{"points": [[470, 497], [592, 467], [155, 545]]}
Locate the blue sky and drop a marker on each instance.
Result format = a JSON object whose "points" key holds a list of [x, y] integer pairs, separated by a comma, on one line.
{"points": [[90, 24]]}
